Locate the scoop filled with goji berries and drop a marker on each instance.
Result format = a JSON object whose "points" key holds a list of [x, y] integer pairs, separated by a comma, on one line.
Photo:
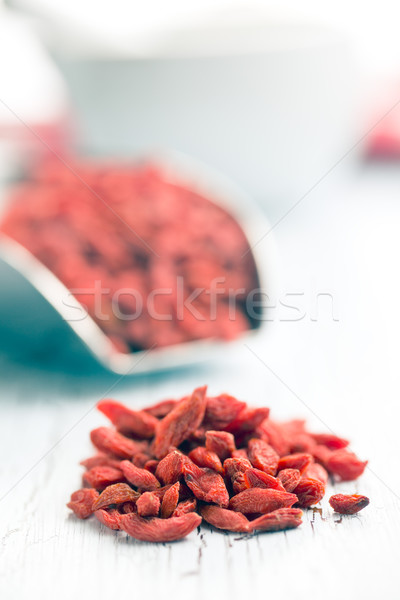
{"points": [[161, 470]]}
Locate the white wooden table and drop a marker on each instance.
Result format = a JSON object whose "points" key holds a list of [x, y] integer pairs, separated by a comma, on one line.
{"points": [[344, 373]]}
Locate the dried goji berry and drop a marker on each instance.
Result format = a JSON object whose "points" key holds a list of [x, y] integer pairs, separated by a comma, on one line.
{"points": [[184, 507], [220, 442], [309, 492], [289, 478], [273, 433], [101, 477], [137, 423], [140, 478], [206, 484], [148, 505], [262, 456], [82, 502], [159, 530], [257, 478], [110, 441], [180, 422], [248, 420], [161, 409], [316, 471], [258, 500], [206, 458], [330, 440], [117, 493], [235, 469], [170, 468], [109, 518], [345, 464], [347, 504], [283, 518], [170, 501], [222, 518], [222, 410], [297, 461], [100, 460]]}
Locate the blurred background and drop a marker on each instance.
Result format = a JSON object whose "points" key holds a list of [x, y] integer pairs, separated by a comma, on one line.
{"points": [[296, 105]]}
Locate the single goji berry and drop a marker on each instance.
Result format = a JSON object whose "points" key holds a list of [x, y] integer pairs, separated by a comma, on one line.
{"points": [[148, 505], [184, 507], [330, 440], [222, 410], [317, 471], [259, 500], [206, 458], [110, 441], [101, 477], [170, 468], [347, 504], [161, 409], [180, 422], [206, 484], [159, 530], [282, 518], [235, 469], [346, 465], [109, 518], [220, 442], [140, 478], [170, 501], [257, 478], [118, 493], [100, 460], [82, 502], [262, 456], [223, 518], [289, 478], [297, 461], [309, 492], [133, 422]]}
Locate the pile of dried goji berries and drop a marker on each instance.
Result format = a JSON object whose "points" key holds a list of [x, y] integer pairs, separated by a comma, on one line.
{"points": [[160, 470], [154, 262]]}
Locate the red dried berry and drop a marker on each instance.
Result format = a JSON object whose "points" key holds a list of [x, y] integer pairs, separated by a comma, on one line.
{"points": [[317, 471], [206, 485], [256, 478], [100, 460], [222, 410], [185, 507], [109, 518], [220, 442], [170, 468], [180, 422], [347, 504], [116, 494], [170, 501], [309, 492], [111, 442], [262, 456], [248, 420], [159, 530], [205, 458], [82, 502], [289, 478], [161, 409], [139, 424], [258, 500], [235, 469], [346, 465], [297, 461], [148, 505], [283, 518], [330, 440], [101, 477], [223, 518], [140, 478]]}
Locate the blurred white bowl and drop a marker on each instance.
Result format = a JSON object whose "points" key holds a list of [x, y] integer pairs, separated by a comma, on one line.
{"points": [[269, 103]]}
